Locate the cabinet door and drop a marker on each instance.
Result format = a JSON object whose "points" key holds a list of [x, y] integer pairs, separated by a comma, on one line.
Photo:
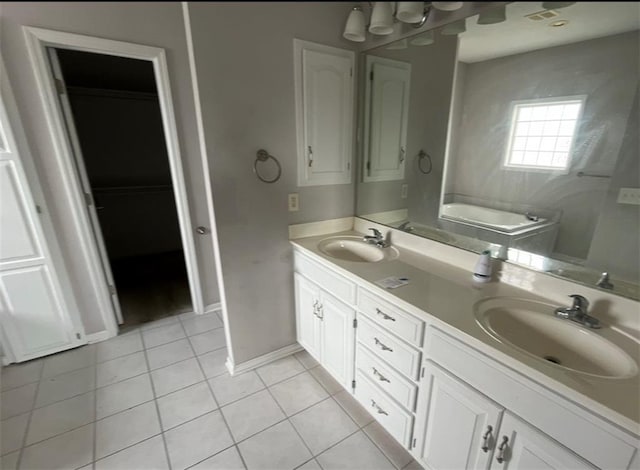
{"points": [[324, 95], [338, 339], [38, 315], [307, 317], [527, 448], [387, 107], [453, 420]]}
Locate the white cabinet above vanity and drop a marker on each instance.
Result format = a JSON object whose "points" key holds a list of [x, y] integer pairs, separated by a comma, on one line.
{"points": [[324, 84], [420, 362]]}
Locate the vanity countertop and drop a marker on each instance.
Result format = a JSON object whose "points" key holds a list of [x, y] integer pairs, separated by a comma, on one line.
{"points": [[447, 294]]}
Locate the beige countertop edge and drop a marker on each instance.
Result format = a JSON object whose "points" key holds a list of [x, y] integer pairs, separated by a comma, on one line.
{"points": [[427, 292]]}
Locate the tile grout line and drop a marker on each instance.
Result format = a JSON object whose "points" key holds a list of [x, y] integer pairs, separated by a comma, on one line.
{"points": [[219, 409], [26, 431], [96, 388], [124, 448], [282, 409], [380, 449], [95, 413], [155, 401]]}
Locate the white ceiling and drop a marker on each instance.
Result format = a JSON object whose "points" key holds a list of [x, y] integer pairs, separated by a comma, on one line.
{"points": [[587, 20]]}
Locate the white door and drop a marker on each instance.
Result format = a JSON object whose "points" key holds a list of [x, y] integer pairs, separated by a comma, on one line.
{"points": [[327, 113], [307, 315], [456, 425], [36, 318], [520, 446], [338, 338], [65, 106], [386, 117]]}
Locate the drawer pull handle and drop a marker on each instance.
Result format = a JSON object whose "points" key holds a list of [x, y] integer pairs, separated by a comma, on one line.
{"points": [[384, 315], [502, 449], [486, 438], [378, 409], [383, 346], [381, 377]]}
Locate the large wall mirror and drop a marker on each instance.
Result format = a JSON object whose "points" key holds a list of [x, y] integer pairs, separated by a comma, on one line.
{"points": [[515, 131]]}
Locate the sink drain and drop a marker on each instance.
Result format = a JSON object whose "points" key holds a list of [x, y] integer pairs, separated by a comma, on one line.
{"points": [[553, 359]]}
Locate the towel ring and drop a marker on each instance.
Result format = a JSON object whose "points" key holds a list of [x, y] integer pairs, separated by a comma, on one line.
{"points": [[262, 156], [421, 156]]}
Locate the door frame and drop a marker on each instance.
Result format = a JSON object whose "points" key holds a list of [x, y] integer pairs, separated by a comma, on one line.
{"points": [[38, 40]]}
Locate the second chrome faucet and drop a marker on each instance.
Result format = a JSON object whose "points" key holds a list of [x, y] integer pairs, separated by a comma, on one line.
{"points": [[578, 312], [376, 239]]}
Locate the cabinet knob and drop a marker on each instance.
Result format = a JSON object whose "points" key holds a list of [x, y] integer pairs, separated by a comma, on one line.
{"points": [[201, 230], [486, 439], [502, 449]]}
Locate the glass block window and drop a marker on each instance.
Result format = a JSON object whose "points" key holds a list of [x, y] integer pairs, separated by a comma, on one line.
{"points": [[542, 134]]}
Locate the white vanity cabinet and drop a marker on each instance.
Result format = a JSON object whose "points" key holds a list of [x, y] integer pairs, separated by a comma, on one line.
{"points": [[447, 402], [459, 427], [325, 324]]}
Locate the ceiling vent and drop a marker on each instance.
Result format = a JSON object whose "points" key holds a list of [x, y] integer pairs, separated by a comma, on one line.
{"points": [[542, 15]]}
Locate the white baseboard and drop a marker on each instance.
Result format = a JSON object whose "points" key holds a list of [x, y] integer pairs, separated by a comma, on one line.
{"points": [[212, 307], [262, 360]]}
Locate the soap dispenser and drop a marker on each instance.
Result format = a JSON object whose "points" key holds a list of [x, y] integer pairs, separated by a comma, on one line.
{"points": [[482, 271]]}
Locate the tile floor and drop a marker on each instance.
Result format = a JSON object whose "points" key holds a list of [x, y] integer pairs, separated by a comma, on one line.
{"points": [[159, 397]]}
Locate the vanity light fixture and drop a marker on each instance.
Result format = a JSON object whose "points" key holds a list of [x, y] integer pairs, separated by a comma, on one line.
{"points": [[383, 18], [410, 12], [447, 6], [355, 27], [493, 15]]}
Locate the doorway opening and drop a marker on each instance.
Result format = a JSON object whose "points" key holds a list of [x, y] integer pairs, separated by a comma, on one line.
{"points": [[110, 105]]}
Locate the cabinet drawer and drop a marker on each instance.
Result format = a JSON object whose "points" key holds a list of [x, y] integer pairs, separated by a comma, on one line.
{"points": [[401, 389], [391, 416], [391, 317], [400, 355], [338, 285]]}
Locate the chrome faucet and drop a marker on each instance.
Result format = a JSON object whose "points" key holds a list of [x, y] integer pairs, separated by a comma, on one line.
{"points": [[406, 227], [604, 281], [376, 239], [578, 312]]}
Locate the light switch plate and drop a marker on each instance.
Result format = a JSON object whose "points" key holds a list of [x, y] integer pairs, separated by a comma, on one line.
{"points": [[404, 191], [629, 196], [293, 202]]}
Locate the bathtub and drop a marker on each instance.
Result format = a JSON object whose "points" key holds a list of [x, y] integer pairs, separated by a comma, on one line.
{"points": [[494, 219]]}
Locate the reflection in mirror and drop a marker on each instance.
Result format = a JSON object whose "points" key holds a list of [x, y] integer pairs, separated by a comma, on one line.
{"points": [[528, 128]]}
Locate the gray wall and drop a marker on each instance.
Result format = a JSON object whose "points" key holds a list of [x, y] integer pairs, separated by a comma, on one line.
{"points": [[616, 240], [606, 70], [430, 97], [154, 24], [244, 59]]}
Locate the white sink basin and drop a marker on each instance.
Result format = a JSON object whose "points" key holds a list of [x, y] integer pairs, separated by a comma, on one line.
{"points": [[532, 328], [350, 248]]}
